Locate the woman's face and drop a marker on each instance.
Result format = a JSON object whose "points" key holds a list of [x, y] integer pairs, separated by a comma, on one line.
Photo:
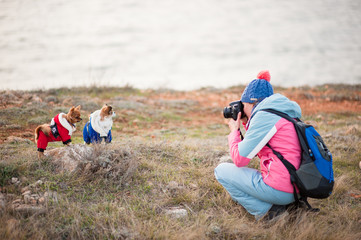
{"points": [[248, 109]]}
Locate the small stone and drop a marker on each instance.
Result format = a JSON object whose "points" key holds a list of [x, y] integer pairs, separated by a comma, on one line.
{"points": [[87, 167], [193, 186], [30, 210], [16, 201], [33, 201], [36, 98], [359, 164], [215, 229], [24, 189], [14, 180], [13, 139], [38, 183], [176, 212], [172, 185], [13, 126], [27, 199], [28, 192], [2, 201], [35, 196], [51, 196], [51, 99], [41, 200]]}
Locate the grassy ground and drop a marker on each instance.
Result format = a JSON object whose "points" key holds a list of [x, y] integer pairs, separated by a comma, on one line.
{"points": [[166, 145]]}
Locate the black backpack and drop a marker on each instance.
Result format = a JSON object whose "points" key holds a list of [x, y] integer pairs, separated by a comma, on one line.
{"points": [[314, 178]]}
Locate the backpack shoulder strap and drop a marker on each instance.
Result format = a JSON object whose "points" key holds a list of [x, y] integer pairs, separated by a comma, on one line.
{"points": [[281, 114]]}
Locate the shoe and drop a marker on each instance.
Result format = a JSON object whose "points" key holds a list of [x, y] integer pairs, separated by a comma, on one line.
{"points": [[275, 213]]}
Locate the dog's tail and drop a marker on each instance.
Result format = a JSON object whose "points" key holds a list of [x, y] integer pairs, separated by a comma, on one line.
{"points": [[45, 128], [37, 133]]}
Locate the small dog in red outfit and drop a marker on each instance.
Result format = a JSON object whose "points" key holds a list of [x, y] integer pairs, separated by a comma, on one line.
{"points": [[61, 128]]}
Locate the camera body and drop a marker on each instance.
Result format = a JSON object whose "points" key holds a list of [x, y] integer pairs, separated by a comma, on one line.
{"points": [[233, 109]]}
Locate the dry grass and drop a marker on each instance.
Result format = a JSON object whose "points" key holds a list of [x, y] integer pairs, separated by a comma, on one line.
{"points": [[124, 190]]}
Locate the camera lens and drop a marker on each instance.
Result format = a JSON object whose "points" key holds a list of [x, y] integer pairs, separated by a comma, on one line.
{"points": [[227, 112]]}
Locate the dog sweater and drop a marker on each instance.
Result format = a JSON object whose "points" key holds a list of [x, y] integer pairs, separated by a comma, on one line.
{"points": [[96, 129], [64, 130]]}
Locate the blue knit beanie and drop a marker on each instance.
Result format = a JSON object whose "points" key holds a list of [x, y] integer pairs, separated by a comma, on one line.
{"points": [[258, 89]]}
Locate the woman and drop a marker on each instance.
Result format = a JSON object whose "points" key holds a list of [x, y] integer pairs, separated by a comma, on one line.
{"points": [[263, 193]]}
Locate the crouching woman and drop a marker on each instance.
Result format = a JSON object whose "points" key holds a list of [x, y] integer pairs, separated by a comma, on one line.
{"points": [[263, 193]]}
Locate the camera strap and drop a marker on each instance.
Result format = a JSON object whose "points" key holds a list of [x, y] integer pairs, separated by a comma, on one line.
{"points": [[240, 134]]}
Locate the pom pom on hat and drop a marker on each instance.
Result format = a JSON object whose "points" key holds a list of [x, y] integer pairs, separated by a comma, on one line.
{"points": [[258, 89], [264, 75]]}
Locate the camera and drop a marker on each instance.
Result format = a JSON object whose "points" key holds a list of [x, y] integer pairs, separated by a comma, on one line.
{"points": [[233, 110]]}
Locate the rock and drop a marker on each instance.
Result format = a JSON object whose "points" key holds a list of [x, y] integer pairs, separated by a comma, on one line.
{"points": [[28, 192], [35, 196], [51, 196], [68, 158], [172, 185], [215, 229], [50, 99], [14, 180], [359, 164], [193, 186], [24, 189], [38, 183], [125, 233], [33, 201], [29, 210], [9, 98], [176, 212], [41, 200], [16, 201], [36, 98], [13, 126], [13, 139], [2, 201], [88, 160], [27, 199]]}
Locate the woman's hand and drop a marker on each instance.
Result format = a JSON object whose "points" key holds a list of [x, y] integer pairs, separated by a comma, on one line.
{"points": [[234, 125], [244, 120]]}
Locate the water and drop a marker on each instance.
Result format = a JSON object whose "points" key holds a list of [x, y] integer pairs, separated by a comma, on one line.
{"points": [[183, 45]]}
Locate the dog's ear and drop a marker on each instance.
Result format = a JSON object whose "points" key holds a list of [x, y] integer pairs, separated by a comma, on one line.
{"points": [[78, 107], [72, 109]]}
